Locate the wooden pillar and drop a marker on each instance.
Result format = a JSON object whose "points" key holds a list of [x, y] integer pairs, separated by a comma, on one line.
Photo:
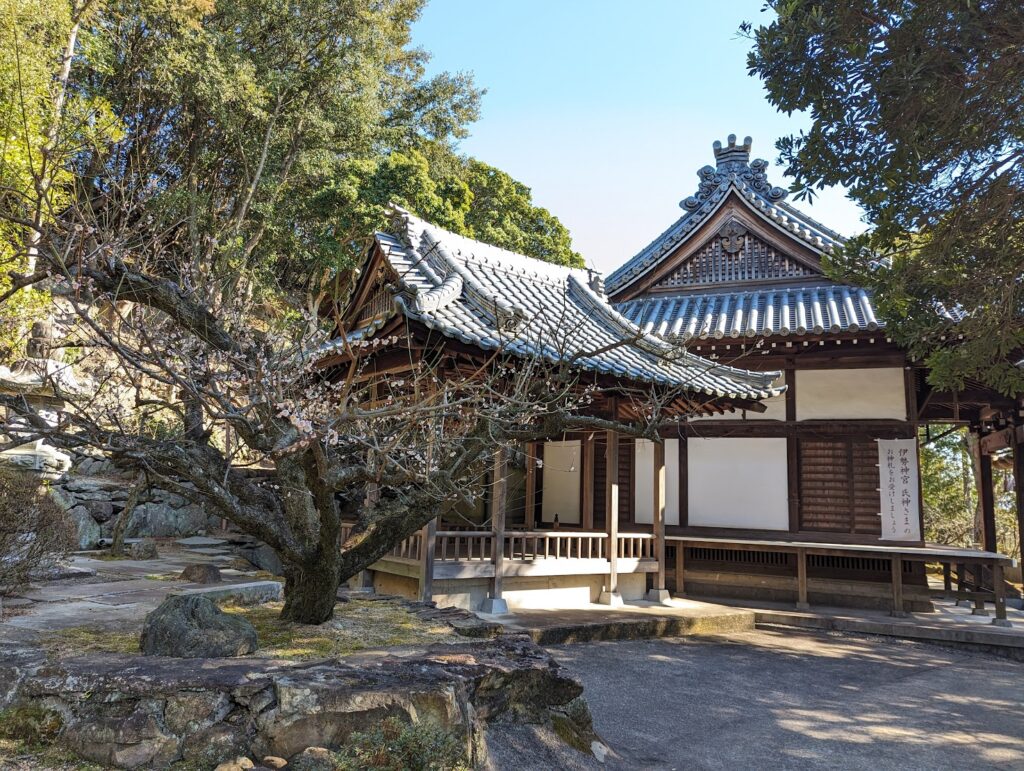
{"points": [[611, 594], [680, 567], [897, 586], [588, 482], [1018, 487], [801, 580], [988, 508], [495, 603], [659, 593], [1000, 592], [428, 539], [531, 485], [961, 584], [792, 453]]}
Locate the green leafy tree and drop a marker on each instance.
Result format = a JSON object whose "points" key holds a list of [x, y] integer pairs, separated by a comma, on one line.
{"points": [[918, 110], [949, 482], [240, 155], [502, 213], [463, 195], [43, 122]]}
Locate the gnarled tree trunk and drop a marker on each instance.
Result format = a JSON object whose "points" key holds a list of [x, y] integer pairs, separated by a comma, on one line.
{"points": [[310, 591]]}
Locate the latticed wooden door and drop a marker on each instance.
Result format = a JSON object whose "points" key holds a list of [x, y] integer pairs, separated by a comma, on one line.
{"points": [[839, 485]]}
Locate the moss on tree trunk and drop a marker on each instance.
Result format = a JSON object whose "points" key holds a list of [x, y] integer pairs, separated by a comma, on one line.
{"points": [[311, 591]]}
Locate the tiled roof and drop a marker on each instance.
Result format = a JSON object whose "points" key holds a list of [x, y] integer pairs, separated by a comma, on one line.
{"points": [[496, 299], [734, 172], [803, 310]]}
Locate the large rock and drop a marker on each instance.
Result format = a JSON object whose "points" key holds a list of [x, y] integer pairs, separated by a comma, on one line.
{"points": [[144, 550], [161, 519], [138, 712], [189, 626], [263, 557], [87, 528], [201, 573]]}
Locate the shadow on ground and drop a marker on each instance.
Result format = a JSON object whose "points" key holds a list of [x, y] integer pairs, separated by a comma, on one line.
{"points": [[786, 700]]}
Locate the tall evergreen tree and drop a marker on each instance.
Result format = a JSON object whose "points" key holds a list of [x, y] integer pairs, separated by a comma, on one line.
{"points": [[918, 109]]}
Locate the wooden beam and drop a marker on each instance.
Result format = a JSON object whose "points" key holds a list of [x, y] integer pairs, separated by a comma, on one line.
{"points": [[680, 567], [499, 482], [588, 481], [801, 580], [659, 592], [531, 485], [999, 587], [1018, 481], [427, 544], [792, 454], [988, 510], [611, 594], [896, 566]]}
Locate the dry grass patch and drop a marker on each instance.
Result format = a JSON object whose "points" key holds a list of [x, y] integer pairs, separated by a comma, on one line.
{"points": [[357, 625], [78, 640]]}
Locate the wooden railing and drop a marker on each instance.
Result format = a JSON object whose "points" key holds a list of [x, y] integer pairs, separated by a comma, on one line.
{"points": [[522, 545], [457, 545], [531, 545], [636, 546]]}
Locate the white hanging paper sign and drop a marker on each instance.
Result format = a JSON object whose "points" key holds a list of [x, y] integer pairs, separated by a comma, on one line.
{"points": [[897, 471]]}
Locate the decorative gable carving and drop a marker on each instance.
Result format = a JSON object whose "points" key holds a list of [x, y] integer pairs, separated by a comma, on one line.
{"points": [[734, 255]]}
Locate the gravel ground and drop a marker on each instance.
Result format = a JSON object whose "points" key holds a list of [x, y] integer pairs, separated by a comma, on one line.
{"points": [[792, 700]]}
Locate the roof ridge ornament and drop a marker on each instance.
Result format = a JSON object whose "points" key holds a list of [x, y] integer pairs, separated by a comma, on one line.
{"points": [[733, 165]]}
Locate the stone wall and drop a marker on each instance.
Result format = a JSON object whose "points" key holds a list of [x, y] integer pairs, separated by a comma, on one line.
{"points": [[149, 712], [95, 494]]}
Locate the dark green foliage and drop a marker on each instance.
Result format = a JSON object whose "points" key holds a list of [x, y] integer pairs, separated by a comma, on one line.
{"points": [[950, 490], [396, 746], [918, 109]]}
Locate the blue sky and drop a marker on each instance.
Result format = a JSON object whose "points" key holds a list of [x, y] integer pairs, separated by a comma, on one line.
{"points": [[606, 109]]}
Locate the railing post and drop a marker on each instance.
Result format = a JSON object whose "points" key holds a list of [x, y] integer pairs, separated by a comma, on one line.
{"points": [[611, 594], [1000, 595], [495, 603], [588, 481], [801, 580], [897, 586], [659, 593], [428, 538]]}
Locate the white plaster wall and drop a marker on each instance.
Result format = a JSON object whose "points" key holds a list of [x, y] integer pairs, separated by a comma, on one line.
{"points": [[738, 482], [853, 394], [671, 481], [643, 496], [534, 592], [561, 482]]}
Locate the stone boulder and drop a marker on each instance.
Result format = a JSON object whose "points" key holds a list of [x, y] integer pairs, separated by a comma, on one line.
{"points": [[144, 550], [87, 528], [312, 759], [170, 516], [140, 712], [201, 573], [189, 626]]}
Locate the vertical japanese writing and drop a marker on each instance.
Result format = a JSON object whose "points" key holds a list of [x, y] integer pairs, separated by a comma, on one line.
{"points": [[898, 493]]}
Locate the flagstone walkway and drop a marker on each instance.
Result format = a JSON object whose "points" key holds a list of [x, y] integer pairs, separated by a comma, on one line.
{"points": [[118, 593]]}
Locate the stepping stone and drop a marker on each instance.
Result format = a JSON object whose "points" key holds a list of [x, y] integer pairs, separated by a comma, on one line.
{"points": [[200, 540], [208, 551]]}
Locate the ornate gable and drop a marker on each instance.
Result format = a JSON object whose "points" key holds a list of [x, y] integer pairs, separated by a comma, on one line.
{"points": [[693, 251], [734, 255]]}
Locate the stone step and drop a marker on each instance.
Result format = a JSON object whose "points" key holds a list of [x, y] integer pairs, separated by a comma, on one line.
{"points": [[636, 622]]}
